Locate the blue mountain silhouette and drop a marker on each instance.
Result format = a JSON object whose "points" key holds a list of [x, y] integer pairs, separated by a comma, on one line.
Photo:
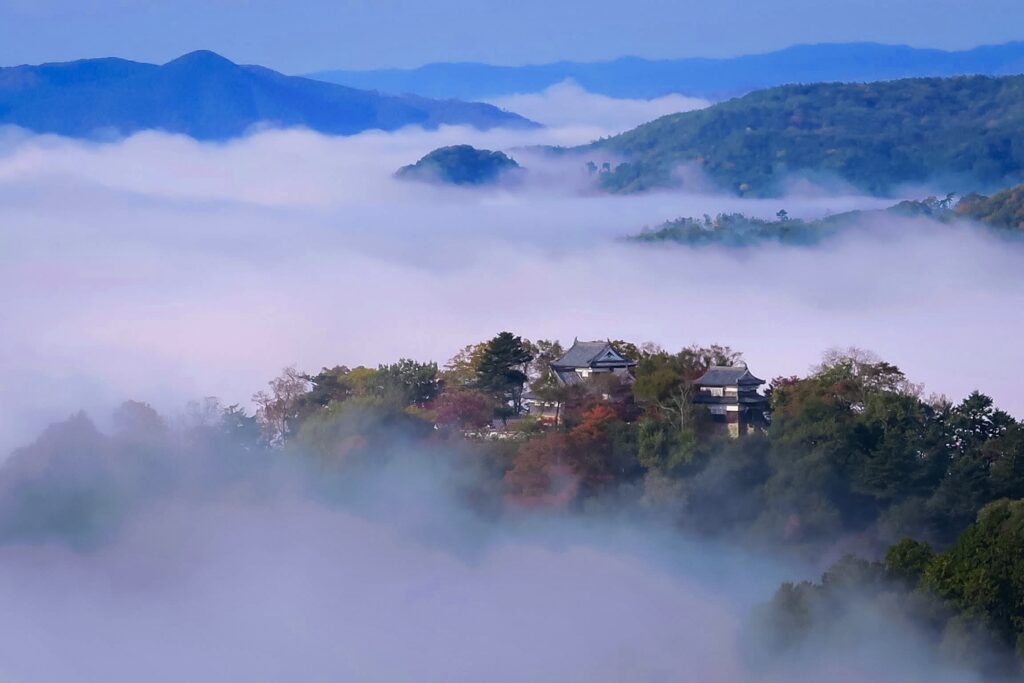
{"points": [[208, 97]]}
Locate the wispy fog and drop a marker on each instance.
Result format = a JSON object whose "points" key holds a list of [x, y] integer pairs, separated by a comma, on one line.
{"points": [[567, 103], [165, 270], [252, 569], [293, 590], [162, 269]]}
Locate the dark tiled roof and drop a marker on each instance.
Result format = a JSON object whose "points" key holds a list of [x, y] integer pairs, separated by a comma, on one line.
{"points": [[588, 354], [569, 377], [728, 376]]}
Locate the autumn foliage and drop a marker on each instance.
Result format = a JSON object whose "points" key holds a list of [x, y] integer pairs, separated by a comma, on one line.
{"points": [[551, 470]]}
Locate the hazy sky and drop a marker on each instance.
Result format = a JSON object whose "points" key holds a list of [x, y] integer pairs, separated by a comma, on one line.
{"points": [[305, 35]]}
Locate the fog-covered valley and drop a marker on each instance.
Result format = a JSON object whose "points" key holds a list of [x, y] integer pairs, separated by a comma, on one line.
{"points": [[163, 269], [171, 538]]}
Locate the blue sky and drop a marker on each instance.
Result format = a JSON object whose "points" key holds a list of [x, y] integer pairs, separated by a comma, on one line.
{"points": [[305, 35]]}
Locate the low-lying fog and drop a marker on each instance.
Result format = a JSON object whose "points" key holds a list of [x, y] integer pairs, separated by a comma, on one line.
{"points": [[165, 270], [568, 104], [229, 567], [162, 269]]}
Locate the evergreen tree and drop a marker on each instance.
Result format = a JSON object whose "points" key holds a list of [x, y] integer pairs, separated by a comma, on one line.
{"points": [[502, 372]]}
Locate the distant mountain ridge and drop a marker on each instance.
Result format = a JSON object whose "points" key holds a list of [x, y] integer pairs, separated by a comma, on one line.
{"points": [[710, 78], [208, 97]]}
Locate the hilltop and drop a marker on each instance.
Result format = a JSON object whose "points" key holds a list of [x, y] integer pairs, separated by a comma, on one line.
{"points": [[875, 137], [460, 165], [699, 77], [208, 97]]}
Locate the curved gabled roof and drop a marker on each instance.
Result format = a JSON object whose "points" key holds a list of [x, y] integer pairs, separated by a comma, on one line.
{"points": [[588, 354], [728, 376]]}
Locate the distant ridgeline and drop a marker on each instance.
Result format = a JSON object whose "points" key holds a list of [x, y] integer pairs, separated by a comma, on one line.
{"points": [[461, 165], [698, 77], [208, 97], [965, 131], [1003, 211]]}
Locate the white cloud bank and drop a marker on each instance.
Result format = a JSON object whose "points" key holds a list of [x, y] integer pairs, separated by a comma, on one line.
{"points": [[389, 577], [566, 104], [162, 269]]}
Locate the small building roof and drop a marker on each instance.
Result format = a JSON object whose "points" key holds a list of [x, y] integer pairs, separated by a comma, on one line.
{"points": [[568, 376], [728, 376], [589, 354]]}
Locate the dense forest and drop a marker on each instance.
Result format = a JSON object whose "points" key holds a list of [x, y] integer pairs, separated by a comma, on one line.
{"points": [[875, 136], [856, 459]]}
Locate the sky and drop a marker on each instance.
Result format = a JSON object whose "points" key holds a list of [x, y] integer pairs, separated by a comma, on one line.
{"points": [[308, 35]]}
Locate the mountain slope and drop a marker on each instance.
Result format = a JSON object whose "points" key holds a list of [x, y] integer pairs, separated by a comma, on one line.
{"points": [[709, 78], [210, 98], [1004, 209], [965, 131]]}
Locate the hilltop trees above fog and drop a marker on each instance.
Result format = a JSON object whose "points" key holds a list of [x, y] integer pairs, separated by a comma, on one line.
{"points": [[460, 165], [965, 600], [1003, 213], [855, 459], [853, 448]]}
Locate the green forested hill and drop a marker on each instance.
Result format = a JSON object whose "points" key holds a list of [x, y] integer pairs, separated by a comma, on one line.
{"points": [[460, 165], [1002, 210], [967, 132]]}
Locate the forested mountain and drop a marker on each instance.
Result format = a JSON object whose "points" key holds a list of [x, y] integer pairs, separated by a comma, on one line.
{"points": [[710, 78], [460, 165], [967, 132], [210, 98]]}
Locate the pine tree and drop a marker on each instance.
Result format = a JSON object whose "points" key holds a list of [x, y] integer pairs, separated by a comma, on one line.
{"points": [[502, 372]]}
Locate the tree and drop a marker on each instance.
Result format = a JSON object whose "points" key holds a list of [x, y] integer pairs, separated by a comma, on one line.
{"points": [[983, 573], [666, 381], [502, 372], [330, 384], [974, 422], [408, 382], [545, 352], [1006, 453], [908, 560], [461, 369], [239, 427], [278, 410], [541, 465], [663, 448], [463, 408], [855, 373], [590, 446], [139, 421], [544, 382]]}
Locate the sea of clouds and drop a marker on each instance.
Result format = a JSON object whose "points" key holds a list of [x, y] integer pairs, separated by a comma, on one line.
{"points": [[569, 104], [162, 269]]}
